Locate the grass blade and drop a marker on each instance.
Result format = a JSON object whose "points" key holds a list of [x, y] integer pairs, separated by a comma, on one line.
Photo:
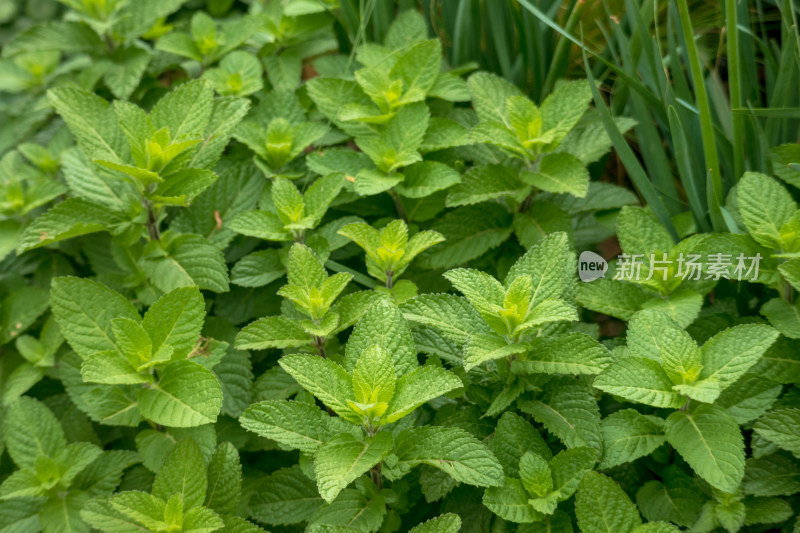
{"points": [[716, 193], [635, 171], [734, 85]]}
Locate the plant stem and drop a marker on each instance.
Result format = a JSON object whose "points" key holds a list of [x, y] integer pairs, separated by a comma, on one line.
{"points": [[389, 280], [526, 203], [152, 222], [376, 476], [398, 204], [319, 344], [686, 405]]}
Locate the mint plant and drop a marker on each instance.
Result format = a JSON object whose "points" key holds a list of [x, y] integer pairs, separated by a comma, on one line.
{"points": [[298, 266]]}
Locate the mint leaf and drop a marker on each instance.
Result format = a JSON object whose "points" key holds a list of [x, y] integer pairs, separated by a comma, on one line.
{"points": [[709, 440], [186, 395], [344, 458]]}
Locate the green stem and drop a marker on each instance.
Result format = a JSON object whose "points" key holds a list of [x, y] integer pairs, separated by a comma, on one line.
{"points": [[376, 475], [152, 222], [398, 204], [319, 344]]}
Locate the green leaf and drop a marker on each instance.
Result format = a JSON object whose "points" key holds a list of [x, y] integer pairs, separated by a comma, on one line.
{"points": [[640, 233], [602, 506], [709, 440], [534, 473], [183, 473], [84, 310], [374, 376], [175, 320], [639, 380], [678, 499], [184, 261], [286, 496], [568, 468], [489, 96], [186, 111], [575, 353], [20, 309], [569, 411], [93, 123], [133, 341], [469, 232], [353, 510], [258, 269], [425, 178], [652, 335], [31, 431], [272, 332], [239, 74], [446, 523], [55, 514], [510, 502], [481, 348], [202, 520], [126, 70], [284, 71], [20, 380], [777, 474], [142, 507], [483, 183], [749, 398], [783, 316], [784, 162], [560, 173], [732, 352], [325, 379], [481, 289], [452, 450], [629, 435], [71, 218], [295, 425], [344, 458], [417, 387], [186, 395], [110, 368], [565, 106], [450, 314], [616, 298], [224, 480], [512, 438], [235, 524], [765, 206], [305, 270], [383, 324], [546, 264], [64, 36], [418, 67], [780, 426]]}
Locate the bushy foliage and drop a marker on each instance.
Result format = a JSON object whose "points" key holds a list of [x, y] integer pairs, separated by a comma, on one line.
{"points": [[248, 281]]}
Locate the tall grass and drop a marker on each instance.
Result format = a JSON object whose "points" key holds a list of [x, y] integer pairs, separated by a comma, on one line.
{"points": [[709, 104]]}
